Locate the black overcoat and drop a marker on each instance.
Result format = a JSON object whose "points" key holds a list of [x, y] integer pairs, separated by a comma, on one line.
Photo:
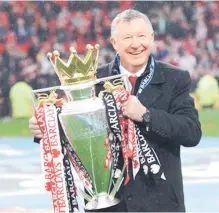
{"points": [[174, 122]]}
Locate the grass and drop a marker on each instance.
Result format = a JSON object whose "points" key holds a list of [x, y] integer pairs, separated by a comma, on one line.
{"points": [[19, 127], [210, 122], [14, 128]]}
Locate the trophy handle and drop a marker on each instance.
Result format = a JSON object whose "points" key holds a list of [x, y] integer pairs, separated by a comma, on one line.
{"points": [[85, 195], [123, 76], [117, 184]]}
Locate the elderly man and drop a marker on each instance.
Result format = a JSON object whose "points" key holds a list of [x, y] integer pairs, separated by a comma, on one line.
{"points": [[162, 108]]}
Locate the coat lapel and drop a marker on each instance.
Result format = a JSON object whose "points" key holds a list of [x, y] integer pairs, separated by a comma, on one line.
{"points": [[151, 93]]}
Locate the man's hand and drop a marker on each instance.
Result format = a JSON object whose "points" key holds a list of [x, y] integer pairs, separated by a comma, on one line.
{"points": [[34, 128], [133, 109]]}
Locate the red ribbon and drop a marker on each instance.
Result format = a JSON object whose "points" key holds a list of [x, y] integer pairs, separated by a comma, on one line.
{"points": [[51, 157], [129, 148]]}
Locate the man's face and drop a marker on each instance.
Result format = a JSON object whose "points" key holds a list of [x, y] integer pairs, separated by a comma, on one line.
{"points": [[133, 41]]}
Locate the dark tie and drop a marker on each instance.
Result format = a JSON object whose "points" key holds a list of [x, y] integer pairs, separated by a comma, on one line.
{"points": [[132, 79]]}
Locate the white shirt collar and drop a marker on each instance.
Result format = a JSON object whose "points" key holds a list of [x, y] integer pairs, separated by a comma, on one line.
{"points": [[125, 71]]}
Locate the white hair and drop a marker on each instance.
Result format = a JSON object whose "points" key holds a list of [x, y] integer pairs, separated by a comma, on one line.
{"points": [[127, 16]]}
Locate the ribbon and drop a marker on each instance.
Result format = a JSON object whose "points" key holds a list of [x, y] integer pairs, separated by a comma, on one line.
{"points": [[129, 137], [134, 145], [69, 178], [114, 133], [77, 164], [52, 157]]}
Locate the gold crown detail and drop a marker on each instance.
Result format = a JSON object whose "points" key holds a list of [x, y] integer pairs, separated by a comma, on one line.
{"points": [[76, 70]]}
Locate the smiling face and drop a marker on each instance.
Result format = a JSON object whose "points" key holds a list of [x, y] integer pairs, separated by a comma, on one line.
{"points": [[133, 41]]}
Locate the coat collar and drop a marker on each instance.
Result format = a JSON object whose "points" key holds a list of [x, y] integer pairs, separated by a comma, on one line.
{"points": [[152, 92], [158, 77]]}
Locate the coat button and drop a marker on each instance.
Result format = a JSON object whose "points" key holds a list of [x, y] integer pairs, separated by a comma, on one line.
{"points": [[128, 197]]}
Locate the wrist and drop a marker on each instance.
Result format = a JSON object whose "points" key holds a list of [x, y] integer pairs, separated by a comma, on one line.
{"points": [[143, 113], [147, 119]]}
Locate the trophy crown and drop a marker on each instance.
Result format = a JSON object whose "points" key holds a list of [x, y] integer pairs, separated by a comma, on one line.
{"points": [[76, 70]]}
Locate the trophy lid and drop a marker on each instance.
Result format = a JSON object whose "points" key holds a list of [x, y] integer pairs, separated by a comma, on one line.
{"points": [[76, 70]]}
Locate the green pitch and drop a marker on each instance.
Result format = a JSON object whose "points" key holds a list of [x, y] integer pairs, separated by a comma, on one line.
{"points": [[210, 122], [19, 127], [14, 127]]}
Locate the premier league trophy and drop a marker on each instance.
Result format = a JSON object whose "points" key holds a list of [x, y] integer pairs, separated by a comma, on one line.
{"points": [[76, 135]]}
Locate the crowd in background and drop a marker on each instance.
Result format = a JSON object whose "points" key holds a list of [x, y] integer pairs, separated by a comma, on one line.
{"points": [[186, 33]]}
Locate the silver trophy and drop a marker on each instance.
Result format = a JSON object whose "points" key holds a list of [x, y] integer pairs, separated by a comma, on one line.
{"points": [[84, 122]]}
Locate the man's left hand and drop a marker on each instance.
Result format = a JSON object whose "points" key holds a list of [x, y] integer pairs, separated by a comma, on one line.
{"points": [[133, 109]]}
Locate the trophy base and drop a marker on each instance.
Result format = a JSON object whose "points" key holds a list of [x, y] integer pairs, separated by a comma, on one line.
{"points": [[101, 201]]}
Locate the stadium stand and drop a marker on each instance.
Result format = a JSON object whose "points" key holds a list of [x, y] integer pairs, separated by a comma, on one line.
{"points": [[187, 35]]}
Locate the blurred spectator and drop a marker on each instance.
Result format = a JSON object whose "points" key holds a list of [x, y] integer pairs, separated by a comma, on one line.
{"points": [[29, 17], [187, 61], [43, 30], [45, 65], [178, 26], [34, 47], [60, 31], [201, 28], [163, 51], [20, 98], [3, 33], [9, 66], [64, 15], [21, 31], [213, 44], [48, 10], [190, 43], [207, 91]]}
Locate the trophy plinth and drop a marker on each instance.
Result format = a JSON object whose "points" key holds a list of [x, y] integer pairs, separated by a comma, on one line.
{"points": [[102, 201]]}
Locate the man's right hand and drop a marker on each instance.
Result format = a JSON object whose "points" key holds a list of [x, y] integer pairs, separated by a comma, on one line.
{"points": [[34, 128]]}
